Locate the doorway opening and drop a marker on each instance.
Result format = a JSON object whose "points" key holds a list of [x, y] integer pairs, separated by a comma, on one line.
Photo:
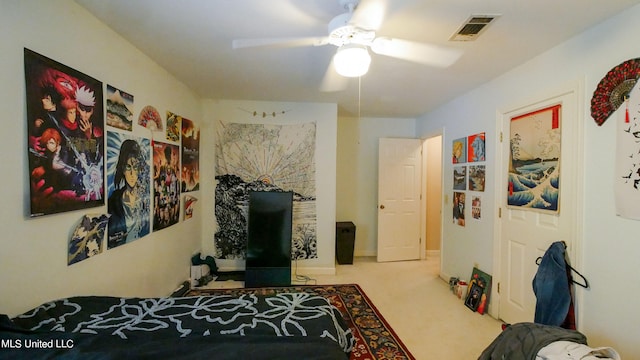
{"points": [[432, 200]]}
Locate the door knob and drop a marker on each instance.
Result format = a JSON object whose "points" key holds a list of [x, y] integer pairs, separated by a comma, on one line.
{"points": [[381, 207]]}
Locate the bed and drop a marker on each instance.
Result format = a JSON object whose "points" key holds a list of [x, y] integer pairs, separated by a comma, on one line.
{"points": [[249, 326]]}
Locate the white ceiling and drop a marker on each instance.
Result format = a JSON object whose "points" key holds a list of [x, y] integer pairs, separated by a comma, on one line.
{"points": [[192, 39]]}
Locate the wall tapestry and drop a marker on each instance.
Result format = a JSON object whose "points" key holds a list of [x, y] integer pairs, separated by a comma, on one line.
{"points": [[166, 185], [128, 174], [627, 179], [264, 157], [119, 109], [65, 123], [534, 172], [87, 238], [190, 173]]}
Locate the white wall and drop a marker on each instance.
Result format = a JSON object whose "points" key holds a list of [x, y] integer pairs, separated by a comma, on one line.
{"points": [[357, 196], [33, 252], [325, 117], [609, 314]]}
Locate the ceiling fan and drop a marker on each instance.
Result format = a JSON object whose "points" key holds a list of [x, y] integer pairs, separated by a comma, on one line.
{"points": [[354, 34]]}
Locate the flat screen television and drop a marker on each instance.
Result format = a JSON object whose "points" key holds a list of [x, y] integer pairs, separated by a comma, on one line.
{"points": [[269, 239]]}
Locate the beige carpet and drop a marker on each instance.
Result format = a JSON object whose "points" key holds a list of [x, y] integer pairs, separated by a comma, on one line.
{"points": [[428, 318]]}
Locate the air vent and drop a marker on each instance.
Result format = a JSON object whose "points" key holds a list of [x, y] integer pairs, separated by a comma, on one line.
{"points": [[473, 27]]}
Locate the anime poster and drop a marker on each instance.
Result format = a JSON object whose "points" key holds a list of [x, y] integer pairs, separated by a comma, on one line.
{"points": [[627, 171], [128, 174], [475, 147], [190, 156], [166, 187], [459, 151], [534, 171], [459, 178], [476, 177], [264, 157], [119, 109], [458, 207], [65, 123], [87, 238], [173, 126]]}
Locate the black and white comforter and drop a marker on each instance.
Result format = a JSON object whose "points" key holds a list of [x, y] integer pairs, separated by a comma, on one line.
{"points": [[288, 325]]}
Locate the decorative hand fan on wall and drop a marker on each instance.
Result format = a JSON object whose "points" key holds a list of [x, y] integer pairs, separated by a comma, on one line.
{"points": [[354, 33], [613, 90]]}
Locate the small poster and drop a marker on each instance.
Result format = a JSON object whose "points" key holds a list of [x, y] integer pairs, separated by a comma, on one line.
{"points": [[87, 238], [476, 207], [119, 109], [174, 124], [476, 177], [459, 178], [459, 151], [476, 147], [458, 208], [189, 205]]}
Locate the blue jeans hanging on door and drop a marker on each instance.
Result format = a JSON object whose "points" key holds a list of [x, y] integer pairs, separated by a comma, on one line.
{"points": [[551, 286]]}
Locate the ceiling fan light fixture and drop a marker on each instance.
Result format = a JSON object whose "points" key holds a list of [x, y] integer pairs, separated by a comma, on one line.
{"points": [[352, 60]]}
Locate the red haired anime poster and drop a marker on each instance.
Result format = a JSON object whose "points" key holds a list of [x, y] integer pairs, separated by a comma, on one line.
{"points": [[166, 188], [65, 123]]}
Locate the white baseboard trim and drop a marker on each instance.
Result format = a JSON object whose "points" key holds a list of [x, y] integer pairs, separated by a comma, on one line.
{"points": [[314, 271], [300, 270], [365, 253], [433, 253]]}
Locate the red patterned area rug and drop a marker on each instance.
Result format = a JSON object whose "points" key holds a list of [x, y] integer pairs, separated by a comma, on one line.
{"points": [[375, 339]]}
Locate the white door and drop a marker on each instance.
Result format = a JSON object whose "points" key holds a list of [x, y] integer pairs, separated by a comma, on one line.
{"points": [[525, 233], [399, 173]]}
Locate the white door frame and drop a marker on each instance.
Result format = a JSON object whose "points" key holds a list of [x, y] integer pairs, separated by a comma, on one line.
{"points": [[575, 253]]}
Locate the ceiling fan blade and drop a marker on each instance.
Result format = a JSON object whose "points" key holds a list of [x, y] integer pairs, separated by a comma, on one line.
{"points": [[369, 14], [420, 53], [281, 42], [332, 81]]}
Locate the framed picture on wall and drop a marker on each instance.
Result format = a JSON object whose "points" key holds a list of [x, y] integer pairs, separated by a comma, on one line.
{"points": [[65, 125]]}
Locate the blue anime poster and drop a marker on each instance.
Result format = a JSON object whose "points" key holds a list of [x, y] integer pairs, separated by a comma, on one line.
{"points": [[128, 184], [65, 123]]}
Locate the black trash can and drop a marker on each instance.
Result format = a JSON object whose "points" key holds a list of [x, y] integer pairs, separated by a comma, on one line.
{"points": [[345, 241]]}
